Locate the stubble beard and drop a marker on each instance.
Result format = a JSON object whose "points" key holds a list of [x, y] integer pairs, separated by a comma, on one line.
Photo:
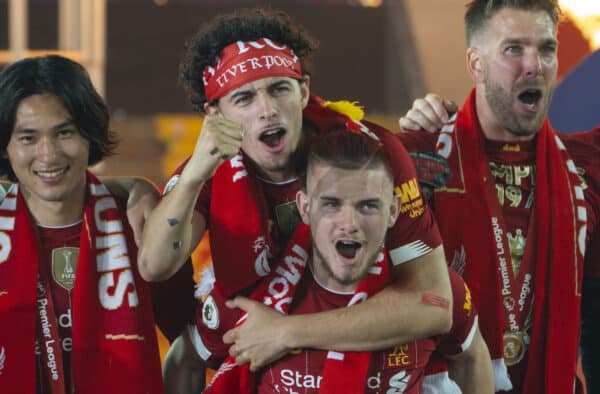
{"points": [[348, 280], [500, 102]]}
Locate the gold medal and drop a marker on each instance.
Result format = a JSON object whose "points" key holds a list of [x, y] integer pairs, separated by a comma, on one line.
{"points": [[514, 347]]}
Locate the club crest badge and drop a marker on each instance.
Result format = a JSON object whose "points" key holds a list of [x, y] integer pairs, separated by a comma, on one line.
{"points": [[64, 266], [210, 313]]}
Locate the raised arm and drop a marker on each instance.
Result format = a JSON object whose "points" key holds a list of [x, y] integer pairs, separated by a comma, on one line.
{"points": [[417, 304], [174, 228]]}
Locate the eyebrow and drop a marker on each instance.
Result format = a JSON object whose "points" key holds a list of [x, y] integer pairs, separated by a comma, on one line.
{"points": [[239, 93], [547, 41], [253, 91], [58, 126]]}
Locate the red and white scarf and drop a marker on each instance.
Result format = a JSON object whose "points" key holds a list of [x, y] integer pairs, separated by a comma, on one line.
{"points": [[555, 247], [344, 372], [241, 245], [114, 340]]}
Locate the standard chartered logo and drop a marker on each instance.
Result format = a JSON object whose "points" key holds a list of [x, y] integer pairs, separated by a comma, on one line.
{"points": [[292, 380]]}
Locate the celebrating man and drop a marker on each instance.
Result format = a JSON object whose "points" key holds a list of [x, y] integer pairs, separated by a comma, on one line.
{"points": [[248, 72], [515, 208]]}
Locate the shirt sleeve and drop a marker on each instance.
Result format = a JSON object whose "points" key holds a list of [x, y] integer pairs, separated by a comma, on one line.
{"points": [[464, 319], [415, 233]]}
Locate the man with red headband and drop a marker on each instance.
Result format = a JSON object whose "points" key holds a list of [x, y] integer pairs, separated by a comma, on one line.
{"points": [[248, 73], [515, 209]]}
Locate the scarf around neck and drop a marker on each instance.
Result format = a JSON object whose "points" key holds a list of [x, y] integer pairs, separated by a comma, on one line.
{"points": [[114, 345], [344, 372], [470, 220]]}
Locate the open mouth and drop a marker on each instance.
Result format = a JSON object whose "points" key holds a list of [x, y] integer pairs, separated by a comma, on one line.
{"points": [[348, 249], [272, 138], [530, 97]]}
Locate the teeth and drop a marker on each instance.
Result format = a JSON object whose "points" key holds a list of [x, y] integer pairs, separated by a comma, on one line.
{"points": [[272, 132], [47, 174]]}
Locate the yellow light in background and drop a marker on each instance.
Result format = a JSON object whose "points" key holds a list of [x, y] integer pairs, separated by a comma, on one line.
{"points": [[586, 16], [161, 3], [371, 3]]}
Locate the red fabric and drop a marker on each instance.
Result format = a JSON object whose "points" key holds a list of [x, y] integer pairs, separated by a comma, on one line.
{"points": [[243, 62], [343, 372], [50, 239], [463, 217], [238, 209], [114, 342], [396, 369]]}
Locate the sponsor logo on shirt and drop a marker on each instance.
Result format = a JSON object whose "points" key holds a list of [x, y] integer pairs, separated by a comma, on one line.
{"points": [[468, 306], [410, 198]]}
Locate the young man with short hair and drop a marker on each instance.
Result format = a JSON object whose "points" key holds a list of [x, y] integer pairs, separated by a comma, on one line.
{"points": [[335, 259]]}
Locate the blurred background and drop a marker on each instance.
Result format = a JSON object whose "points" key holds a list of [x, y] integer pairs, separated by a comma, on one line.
{"points": [[382, 53]]}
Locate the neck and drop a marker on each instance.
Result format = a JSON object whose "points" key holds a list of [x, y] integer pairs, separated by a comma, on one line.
{"points": [[56, 213], [277, 176], [325, 279], [491, 127]]}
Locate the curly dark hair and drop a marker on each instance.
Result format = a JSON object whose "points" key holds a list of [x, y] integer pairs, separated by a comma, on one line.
{"points": [[479, 12], [243, 25], [71, 84]]}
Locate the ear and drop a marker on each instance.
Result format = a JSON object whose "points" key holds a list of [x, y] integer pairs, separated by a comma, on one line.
{"points": [[211, 109], [302, 203], [394, 210], [475, 64], [305, 90]]}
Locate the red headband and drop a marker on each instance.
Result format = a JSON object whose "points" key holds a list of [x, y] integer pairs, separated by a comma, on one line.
{"points": [[243, 62]]}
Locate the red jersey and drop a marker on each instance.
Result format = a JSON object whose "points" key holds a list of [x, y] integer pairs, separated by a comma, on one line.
{"points": [[399, 369], [414, 234], [513, 167], [59, 252]]}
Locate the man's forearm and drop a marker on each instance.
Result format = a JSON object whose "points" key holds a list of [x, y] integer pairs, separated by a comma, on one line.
{"points": [[400, 313], [171, 233], [472, 370]]}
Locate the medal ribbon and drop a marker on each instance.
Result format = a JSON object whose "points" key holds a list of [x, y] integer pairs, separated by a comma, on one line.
{"points": [[48, 337], [515, 305]]}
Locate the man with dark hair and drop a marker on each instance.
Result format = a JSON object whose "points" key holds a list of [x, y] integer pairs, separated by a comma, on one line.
{"points": [[246, 72], [515, 209], [349, 204], [76, 316]]}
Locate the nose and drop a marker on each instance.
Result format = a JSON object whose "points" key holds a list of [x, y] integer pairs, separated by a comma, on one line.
{"points": [[532, 64], [47, 149], [267, 106], [348, 222]]}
